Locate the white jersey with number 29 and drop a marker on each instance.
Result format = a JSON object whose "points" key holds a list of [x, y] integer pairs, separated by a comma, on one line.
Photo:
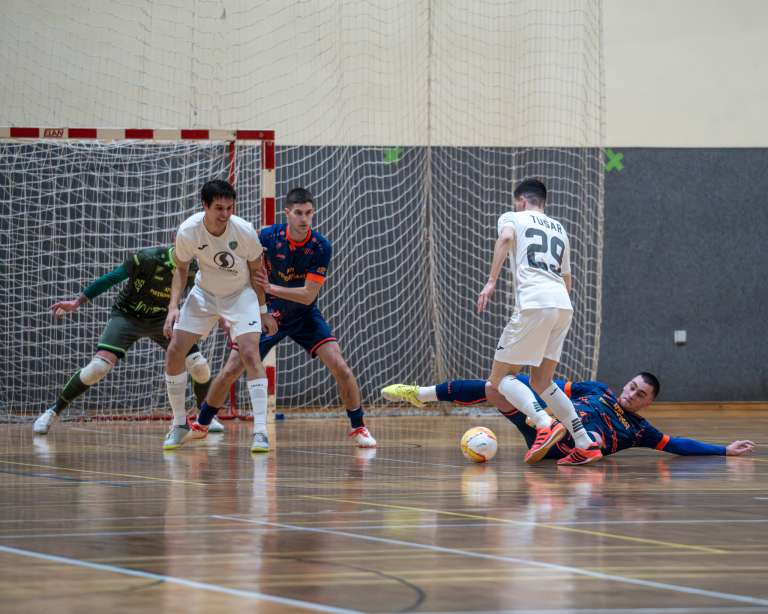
{"points": [[539, 259]]}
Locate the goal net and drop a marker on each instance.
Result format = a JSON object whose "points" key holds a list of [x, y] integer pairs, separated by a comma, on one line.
{"points": [[410, 121], [74, 210]]}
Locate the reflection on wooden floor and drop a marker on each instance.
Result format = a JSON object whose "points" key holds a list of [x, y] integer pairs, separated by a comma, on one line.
{"points": [[96, 518]]}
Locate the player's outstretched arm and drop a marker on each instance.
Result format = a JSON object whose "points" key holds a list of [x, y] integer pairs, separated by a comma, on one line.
{"points": [[91, 291], [683, 446], [500, 250], [739, 447], [62, 308]]}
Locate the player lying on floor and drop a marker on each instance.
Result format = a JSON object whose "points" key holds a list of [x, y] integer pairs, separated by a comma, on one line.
{"points": [[613, 421]]}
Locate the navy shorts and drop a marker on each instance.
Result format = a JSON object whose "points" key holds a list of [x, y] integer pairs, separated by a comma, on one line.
{"points": [[309, 330]]}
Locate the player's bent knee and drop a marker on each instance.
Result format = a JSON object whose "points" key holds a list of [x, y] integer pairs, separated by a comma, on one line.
{"points": [[95, 370], [340, 370], [232, 371], [251, 358], [198, 367]]}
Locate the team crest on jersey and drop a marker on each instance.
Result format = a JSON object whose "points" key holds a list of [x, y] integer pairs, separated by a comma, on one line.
{"points": [[278, 245], [233, 245]]}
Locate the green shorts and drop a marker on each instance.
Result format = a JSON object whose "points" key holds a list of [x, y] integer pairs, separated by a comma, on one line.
{"points": [[122, 331]]}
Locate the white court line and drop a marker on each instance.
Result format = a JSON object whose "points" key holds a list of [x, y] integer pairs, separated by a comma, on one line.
{"points": [[214, 588], [163, 517], [509, 559], [353, 527]]}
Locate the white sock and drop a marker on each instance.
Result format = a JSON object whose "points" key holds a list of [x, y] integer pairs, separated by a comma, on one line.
{"points": [[524, 400], [427, 393], [257, 391], [562, 407], [177, 396]]}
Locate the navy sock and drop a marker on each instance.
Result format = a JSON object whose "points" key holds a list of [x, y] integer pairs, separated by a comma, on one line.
{"points": [[464, 391], [206, 413], [356, 417]]}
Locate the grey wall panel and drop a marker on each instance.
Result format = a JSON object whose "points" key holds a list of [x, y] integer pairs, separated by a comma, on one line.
{"points": [[685, 246]]}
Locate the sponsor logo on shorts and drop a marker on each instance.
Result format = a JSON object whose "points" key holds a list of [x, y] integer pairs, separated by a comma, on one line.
{"points": [[203, 246], [499, 347], [251, 323]]}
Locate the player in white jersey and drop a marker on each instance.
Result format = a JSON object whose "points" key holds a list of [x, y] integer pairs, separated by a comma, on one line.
{"points": [[229, 255], [538, 249]]}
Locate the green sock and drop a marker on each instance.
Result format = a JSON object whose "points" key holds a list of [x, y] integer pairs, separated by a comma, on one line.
{"points": [[72, 389]]}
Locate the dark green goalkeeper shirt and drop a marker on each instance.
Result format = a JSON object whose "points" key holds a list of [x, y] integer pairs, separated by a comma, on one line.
{"points": [[148, 291]]}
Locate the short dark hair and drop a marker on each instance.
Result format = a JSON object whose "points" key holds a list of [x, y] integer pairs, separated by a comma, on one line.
{"points": [[532, 190], [217, 188], [652, 381], [298, 195]]}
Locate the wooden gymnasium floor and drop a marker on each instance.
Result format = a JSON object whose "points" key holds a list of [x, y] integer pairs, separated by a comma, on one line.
{"points": [[96, 518]]}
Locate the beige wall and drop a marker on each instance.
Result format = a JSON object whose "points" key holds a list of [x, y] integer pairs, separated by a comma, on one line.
{"points": [[380, 72], [677, 72], [686, 73]]}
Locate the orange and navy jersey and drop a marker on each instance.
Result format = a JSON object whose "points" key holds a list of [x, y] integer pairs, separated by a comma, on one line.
{"points": [[291, 263], [602, 415]]}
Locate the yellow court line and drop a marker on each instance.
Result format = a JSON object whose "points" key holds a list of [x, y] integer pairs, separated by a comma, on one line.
{"points": [[639, 540], [121, 475]]}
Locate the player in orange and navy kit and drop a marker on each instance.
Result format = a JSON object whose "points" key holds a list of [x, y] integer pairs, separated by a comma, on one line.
{"points": [[297, 259], [613, 421]]}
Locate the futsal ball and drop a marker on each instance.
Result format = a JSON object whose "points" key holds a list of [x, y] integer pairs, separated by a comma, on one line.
{"points": [[479, 444]]}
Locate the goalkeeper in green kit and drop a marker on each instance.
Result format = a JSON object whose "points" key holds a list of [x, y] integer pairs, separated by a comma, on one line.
{"points": [[139, 311]]}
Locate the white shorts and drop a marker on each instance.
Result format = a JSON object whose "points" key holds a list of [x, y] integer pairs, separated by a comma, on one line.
{"points": [[202, 310], [532, 335]]}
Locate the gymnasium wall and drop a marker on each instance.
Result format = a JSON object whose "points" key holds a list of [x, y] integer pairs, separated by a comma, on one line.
{"points": [[685, 245], [686, 218]]}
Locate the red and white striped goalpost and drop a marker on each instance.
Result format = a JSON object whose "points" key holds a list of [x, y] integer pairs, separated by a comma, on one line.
{"points": [[267, 138]]}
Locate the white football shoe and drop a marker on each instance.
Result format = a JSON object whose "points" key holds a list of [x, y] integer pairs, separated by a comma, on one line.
{"points": [[175, 436], [44, 421], [260, 443], [215, 426], [362, 437]]}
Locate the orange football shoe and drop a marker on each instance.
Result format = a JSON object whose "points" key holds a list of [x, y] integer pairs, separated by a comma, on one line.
{"points": [[545, 439]]}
